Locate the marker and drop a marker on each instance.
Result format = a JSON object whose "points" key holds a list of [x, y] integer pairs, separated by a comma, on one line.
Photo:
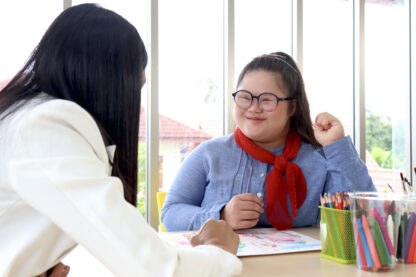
{"points": [[259, 195]]}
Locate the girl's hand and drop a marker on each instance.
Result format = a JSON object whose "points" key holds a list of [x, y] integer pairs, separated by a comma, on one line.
{"points": [[328, 129], [243, 211]]}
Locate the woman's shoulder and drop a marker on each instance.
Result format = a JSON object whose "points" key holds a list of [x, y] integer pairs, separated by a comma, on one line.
{"points": [[61, 126], [46, 115], [57, 111], [46, 108], [53, 107]]}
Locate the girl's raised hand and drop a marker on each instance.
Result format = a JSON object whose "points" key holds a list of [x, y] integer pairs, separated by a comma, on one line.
{"points": [[328, 129]]}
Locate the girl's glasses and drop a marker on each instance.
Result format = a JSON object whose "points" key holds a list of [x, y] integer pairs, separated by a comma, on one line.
{"points": [[267, 101]]}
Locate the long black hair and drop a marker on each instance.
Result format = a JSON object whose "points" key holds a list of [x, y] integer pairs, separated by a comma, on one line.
{"points": [[96, 58], [282, 64]]}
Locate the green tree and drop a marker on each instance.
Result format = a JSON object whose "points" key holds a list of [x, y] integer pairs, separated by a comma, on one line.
{"points": [[382, 157], [379, 138], [141, 179], [378, 132]]}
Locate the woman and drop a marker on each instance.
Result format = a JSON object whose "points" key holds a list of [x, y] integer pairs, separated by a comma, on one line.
{"points": [[273, 157], [68, 170]]}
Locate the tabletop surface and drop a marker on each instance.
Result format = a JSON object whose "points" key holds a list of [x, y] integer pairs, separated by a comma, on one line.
{"points": [[311, 264]]}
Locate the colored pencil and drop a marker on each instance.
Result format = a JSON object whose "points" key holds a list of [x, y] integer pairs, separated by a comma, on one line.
{"points": [[360, 252], [384, 231], [402, 232], [371, 243], [367, 254], [408, 235], [381, 246], [412, 246]]}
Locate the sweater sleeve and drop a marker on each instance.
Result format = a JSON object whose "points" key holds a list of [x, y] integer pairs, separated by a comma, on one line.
{"points": [[345, 170], [61, 169]]}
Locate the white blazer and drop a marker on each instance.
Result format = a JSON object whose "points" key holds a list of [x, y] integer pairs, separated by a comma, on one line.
{"points": [[56, 190]]}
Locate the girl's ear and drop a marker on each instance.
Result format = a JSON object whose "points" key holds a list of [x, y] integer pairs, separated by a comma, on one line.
{"points": [[293, 106]]}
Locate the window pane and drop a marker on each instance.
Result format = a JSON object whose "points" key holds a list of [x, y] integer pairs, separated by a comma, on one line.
{"points": [[387, 90], [190, 68], [328, 59], [22, 25], [261, 27], [136, 13], [413, 92]]}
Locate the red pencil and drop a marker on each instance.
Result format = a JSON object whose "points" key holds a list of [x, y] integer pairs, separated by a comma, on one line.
{"points": [[412, 246], [339, 198]]}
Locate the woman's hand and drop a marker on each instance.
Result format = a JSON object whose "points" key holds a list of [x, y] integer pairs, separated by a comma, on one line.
{"points": [[328, 129], [59, 270], [243, 211], [217, 233]]}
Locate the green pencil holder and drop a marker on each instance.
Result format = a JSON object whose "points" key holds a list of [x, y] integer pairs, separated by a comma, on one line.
{"points": [[337, 235]]}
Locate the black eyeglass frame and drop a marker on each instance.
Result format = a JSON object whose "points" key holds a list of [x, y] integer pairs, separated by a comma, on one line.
{"points": [[258, 97]]}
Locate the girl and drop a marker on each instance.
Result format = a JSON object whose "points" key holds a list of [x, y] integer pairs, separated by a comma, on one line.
{"points": [[274, 157]]}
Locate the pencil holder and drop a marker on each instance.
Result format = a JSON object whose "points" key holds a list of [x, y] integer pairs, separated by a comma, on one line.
{"points": [[406, 244], [376, 218], [337, 236]]}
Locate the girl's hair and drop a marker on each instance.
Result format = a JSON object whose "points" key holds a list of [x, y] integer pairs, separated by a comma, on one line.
{"points": [[95, 58], [283, 65]]}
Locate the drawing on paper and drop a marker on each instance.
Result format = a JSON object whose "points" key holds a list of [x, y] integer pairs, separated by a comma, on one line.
{"points": [[261, 241]]}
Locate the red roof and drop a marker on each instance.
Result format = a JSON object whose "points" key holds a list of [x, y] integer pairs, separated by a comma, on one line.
{"points": [[383, 176], [172, 131]]}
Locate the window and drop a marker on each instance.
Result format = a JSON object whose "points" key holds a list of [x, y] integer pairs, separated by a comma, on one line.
{"points": [[261, 27], [20, 30], [190, 79], [328, 59], [387, 91]]}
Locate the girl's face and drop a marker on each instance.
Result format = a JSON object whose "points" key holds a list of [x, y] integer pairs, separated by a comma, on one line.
{"points": [[266, 129]]}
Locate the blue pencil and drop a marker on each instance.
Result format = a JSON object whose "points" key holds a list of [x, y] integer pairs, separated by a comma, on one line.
{"points": [[367, 253], [357, 250]]}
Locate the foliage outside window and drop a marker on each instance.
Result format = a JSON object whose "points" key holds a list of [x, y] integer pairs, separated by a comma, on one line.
{"points": [[141, 179], [379, 141]]}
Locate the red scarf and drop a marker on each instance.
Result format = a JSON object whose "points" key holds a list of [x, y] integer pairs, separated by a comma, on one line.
{"points": [[277, 185]]}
